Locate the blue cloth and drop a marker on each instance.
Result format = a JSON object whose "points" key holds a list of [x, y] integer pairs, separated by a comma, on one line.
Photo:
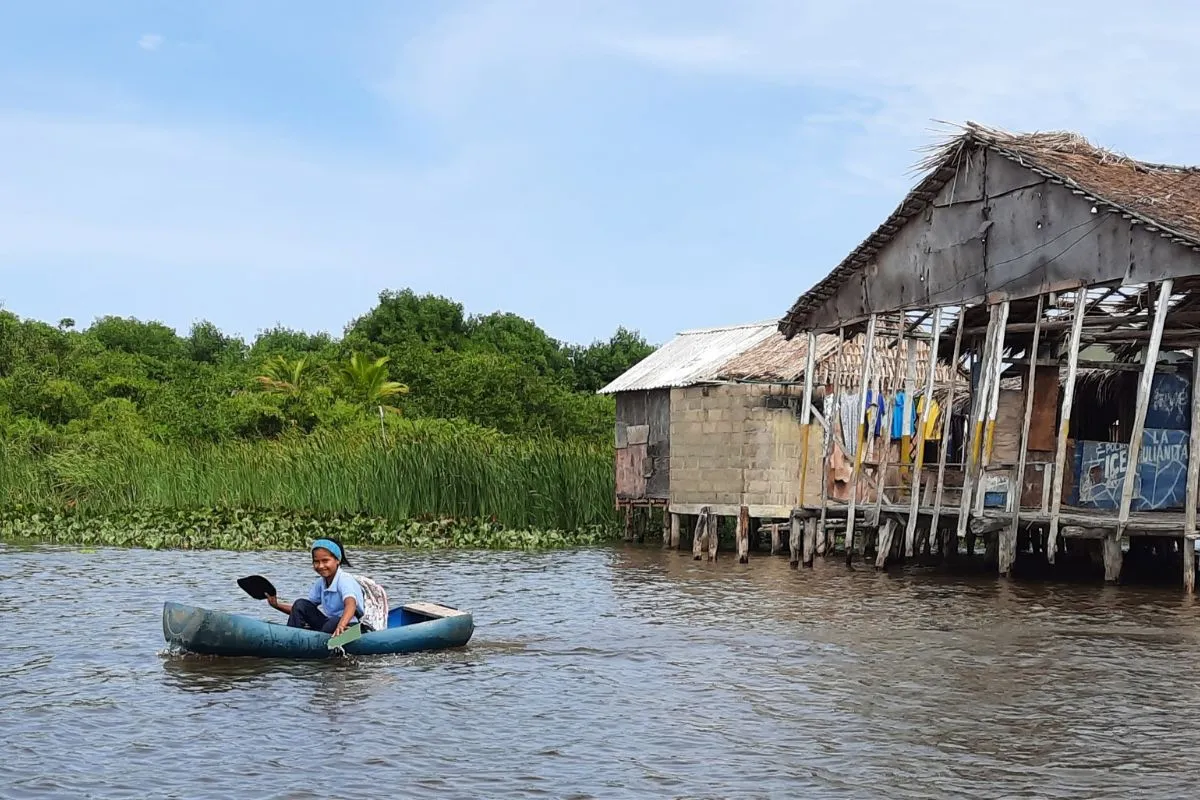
{"points": [[332, 598], [329, 545], [876, 409], [898, 415]]}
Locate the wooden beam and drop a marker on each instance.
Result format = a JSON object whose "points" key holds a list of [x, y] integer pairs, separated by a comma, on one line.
{"points": [[1008, 539], [810, 362], [1192, 495], [946, 415], [836, 414], [1064, 423], [1143, 404], [914, 499], [861, 444], [810, 540], [675, 523], [910, 378]]}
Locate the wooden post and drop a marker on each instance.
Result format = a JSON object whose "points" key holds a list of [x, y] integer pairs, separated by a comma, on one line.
{"points": [[1008, 539], [700, 537], [794, 539], [885, 543], [810, 540], [714, 538], [823, 542], [776, 543], [860, 434], [666, 527], [906, 431], [743, 535], [1192, 495], [979, 407], [993, 400], [1064, 423], [947, 413], [1143, 403], [675, 524], [810, 361], [1112, 557], [628, 536], [914, 500], [903, 343]]}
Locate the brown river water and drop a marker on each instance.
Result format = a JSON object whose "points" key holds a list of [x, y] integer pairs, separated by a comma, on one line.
{"points": [[612, 672]]}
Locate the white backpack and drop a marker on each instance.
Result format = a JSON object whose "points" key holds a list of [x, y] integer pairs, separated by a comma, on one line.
{"points": [[375, 602]]}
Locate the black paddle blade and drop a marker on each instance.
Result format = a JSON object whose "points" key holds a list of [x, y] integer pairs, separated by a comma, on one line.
{"points": [[257, 587]]}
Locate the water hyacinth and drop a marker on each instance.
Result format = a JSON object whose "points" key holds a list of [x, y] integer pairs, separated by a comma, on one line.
{"points": [[234, 529]]}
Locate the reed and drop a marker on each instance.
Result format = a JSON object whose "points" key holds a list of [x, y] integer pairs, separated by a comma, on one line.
{"points": [[419, 472]]}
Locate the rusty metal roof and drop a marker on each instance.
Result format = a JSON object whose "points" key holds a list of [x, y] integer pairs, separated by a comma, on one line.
{"points": [[692, 357]]}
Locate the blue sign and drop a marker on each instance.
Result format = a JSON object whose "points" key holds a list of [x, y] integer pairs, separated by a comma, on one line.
{"points": [[1170, 402], [1161, 481]]}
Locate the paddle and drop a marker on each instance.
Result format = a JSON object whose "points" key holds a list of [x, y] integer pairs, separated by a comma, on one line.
{"points": [[346, 636], [257, 587]]}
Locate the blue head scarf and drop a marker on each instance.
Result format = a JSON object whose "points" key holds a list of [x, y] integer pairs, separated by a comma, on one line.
{"points": [[329, 545]]}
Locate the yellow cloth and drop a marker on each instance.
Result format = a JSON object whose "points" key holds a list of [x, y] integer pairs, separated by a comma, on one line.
{"points": [[933, 427]]}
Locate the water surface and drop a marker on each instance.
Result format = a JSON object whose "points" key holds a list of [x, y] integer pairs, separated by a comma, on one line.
{"points": [[625, 672]]}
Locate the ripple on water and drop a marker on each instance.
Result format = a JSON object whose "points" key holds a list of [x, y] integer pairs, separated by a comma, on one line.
{"points": [[604, 673]]}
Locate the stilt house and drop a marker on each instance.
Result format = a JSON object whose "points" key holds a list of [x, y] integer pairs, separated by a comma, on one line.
{"points": [[1062, 278]]}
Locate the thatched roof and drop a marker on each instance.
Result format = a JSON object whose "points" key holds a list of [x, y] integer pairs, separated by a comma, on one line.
{"points": [[780, 360], [1165, 198]]}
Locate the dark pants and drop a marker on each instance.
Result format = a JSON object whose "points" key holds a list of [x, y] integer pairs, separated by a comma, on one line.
{"points": [[306, 614]]}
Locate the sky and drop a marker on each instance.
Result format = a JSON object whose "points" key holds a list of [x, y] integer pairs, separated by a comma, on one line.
{"points": [[584, 163]]}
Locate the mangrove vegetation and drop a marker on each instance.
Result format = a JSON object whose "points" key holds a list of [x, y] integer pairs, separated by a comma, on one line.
{"points": [[418, 426]]}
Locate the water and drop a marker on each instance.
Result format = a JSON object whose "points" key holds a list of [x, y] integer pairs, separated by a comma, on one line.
{"points": [[623, 672]]}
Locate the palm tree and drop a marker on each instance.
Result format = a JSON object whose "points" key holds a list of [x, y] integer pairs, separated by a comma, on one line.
{"points": [[366, 382], [281, 376]]}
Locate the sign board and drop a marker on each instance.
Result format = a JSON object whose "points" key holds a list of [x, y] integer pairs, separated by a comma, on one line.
{"points": [[1161, 480]]}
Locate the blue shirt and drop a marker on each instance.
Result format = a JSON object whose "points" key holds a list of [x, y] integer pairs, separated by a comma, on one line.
{"points": [[332, 598]]}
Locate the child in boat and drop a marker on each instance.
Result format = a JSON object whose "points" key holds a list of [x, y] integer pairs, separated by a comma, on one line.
{"points": [[335, 600]]}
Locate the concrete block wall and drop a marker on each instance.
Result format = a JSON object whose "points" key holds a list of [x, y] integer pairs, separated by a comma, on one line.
{"points": [[740, 444]]}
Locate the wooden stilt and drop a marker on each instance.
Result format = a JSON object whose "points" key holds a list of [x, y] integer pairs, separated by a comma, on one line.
{"points": [[1008, 539], [947, 413], [861, 434], [1064, 424], [714, 538], [794, 540], [1112, 556], [666, 527], [993, 400], [979, 404], [914, 499], [700, 537], [903, 344], [810, 365], [832, 416], [1143, 403], [810, 540], [743, 535], [1192, 495], [628, 536], [675, 524], [776, 543], [885, 543]]}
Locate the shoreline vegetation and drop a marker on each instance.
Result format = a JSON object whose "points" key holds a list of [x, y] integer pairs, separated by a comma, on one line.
{"points": [[420, 428]]}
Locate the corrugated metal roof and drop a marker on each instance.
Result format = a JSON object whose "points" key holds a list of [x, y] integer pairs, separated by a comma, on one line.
{"points": [[692, 357]]}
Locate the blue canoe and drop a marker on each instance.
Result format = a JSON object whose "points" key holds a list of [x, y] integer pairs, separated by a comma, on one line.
{"points": [[412, 628]]}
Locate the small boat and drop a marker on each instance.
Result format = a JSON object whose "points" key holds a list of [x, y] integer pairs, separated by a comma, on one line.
{"points": [[412, 628]]}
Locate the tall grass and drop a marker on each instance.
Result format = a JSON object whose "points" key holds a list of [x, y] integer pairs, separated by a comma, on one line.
{"points": [[416, 473]]}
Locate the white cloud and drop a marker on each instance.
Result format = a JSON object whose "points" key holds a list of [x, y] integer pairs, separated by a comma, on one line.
{"points": [[151, 41]]}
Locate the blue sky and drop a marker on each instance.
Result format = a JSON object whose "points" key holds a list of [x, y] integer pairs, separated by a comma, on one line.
{"points": [[659, 165]]}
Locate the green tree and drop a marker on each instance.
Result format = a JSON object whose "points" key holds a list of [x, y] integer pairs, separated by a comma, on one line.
{"points": [[366, 383]]}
